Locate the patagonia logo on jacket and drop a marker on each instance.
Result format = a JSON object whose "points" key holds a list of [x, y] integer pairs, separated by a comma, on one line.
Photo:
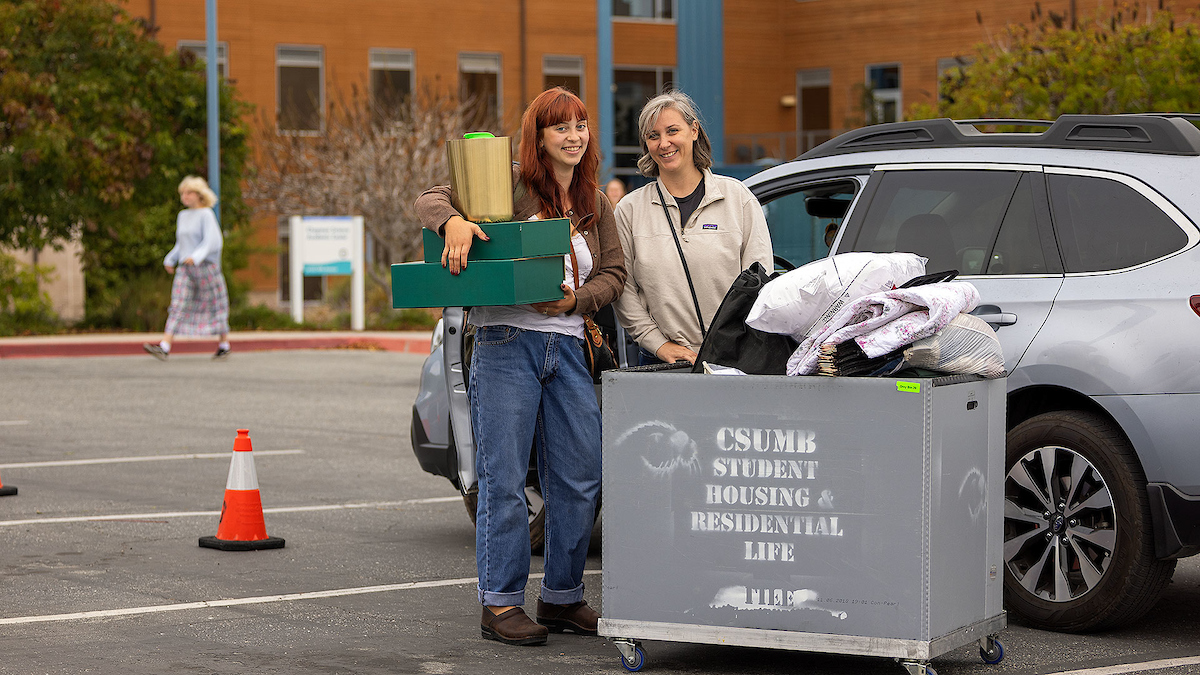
{"points": [[709, 226]]}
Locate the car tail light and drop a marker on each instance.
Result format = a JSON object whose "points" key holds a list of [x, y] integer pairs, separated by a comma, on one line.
{"points": [[1195, 301]]}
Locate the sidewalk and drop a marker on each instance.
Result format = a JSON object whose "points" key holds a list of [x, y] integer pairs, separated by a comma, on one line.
{"points": [[129, 344]]}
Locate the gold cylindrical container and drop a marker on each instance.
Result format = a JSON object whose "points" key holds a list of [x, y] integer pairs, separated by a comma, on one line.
{"points": [[481, 177]]}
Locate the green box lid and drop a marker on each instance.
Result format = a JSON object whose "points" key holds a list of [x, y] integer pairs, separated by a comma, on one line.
{"points": [[508, 241]]}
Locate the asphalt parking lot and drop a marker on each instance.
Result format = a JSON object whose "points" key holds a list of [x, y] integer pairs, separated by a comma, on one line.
{"points": [[121, 465]]}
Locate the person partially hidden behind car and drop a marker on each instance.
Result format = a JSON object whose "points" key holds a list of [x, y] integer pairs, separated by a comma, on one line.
{"points": [[530, 385]]}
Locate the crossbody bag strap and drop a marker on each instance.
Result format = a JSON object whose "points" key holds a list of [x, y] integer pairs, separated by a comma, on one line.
{"points": [[590, 329], [679, 247]]}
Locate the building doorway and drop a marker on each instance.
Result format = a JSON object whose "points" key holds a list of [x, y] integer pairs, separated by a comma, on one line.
{"points": [[813, 118]]}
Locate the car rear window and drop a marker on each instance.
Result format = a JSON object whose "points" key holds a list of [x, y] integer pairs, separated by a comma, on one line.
{"points": [[1103, 224], [954, 218]]}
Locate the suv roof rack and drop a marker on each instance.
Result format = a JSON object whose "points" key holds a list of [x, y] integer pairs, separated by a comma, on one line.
{"points": [[1160, 133]]}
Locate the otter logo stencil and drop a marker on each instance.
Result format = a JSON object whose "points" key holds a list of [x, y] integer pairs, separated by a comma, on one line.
{"points": [[664, 448]]}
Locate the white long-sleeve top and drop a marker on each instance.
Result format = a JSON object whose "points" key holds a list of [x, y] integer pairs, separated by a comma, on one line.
{"points": [[197, 236]]}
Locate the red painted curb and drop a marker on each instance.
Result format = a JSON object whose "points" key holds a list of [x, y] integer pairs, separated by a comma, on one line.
{"points": [[105, 348]]}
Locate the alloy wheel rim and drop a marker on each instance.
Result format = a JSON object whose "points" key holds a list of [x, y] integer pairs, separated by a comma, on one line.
{"points": [[1060, 527]]}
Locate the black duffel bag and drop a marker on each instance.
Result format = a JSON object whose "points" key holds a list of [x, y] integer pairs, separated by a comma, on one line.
{"points": [[730, 342]]}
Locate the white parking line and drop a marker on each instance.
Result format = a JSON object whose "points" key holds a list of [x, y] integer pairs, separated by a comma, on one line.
{"points": [[12, 423], [233, 602], [139, 458], [1134, 667], [196, 514]]}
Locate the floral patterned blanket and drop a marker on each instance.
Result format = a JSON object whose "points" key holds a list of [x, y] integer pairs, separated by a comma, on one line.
{"points": [[885, 321]]}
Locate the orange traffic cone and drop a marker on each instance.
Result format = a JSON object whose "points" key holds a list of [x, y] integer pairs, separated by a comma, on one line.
{"points": [[6, 490], [241, 527]]}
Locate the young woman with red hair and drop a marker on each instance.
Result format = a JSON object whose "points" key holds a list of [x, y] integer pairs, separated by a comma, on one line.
{"points": [[529, 384]]}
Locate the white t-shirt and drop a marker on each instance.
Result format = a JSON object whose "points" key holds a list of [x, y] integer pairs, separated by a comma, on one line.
{"points": [[525, 316]]}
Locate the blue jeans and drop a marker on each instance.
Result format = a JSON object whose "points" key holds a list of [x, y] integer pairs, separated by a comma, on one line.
{"points": [[532, 389]]}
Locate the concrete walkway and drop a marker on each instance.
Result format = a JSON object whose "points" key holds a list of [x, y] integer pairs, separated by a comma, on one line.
{"points": [[130, 344]]}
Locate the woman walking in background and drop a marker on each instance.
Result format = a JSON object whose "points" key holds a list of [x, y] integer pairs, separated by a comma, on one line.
{"points": [[199, 299]]}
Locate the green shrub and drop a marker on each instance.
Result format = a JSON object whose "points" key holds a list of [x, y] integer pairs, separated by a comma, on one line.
{"points": [[402, 319], [261, 317], [24, 309]]}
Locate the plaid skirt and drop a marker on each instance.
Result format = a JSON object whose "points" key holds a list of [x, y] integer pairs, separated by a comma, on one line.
{"points": [[199, 301]]}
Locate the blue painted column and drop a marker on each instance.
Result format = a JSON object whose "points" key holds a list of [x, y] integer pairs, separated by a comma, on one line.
{"points": [[700, 69], [212, 88], [604, 82]]}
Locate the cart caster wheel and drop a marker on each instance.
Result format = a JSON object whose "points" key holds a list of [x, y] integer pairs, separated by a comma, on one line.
{"points": [[638, 661], [993, 653]]}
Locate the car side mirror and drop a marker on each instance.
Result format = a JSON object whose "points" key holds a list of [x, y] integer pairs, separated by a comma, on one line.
{"points": [[826, 207]]}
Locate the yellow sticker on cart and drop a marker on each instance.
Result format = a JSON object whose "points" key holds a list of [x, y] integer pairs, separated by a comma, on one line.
{"points": [[908, 386]]}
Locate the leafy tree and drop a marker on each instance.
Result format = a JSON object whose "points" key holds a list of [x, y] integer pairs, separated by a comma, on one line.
{"points": [[1125, 63], [98, 124]]}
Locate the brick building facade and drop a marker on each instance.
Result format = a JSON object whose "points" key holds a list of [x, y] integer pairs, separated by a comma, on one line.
{"points": [[794, 71]]}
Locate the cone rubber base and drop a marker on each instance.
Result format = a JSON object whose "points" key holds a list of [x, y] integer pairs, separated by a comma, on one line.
{"points": [[7, 490], [235, 545]]}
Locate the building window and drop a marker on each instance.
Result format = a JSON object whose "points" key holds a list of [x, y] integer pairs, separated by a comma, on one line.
{"points": [[391, 82], [199, 51], [479, 84], [644, 9], [949, 71], [883, 81], [633, 87], [563, 71], [301, 91]]}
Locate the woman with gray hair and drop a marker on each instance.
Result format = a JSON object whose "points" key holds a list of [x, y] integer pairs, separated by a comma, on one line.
{"points": [[687, 235], [199, 299]]}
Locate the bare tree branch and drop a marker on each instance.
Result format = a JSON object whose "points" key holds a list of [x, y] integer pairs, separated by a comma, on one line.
{"points": [[370, 161]]}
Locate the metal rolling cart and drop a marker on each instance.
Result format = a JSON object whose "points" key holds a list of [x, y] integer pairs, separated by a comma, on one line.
{"points": [[843, 515]]}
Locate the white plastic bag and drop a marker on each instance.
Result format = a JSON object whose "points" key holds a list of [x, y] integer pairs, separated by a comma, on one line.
{"points": [[967, 346], [799, 302]]}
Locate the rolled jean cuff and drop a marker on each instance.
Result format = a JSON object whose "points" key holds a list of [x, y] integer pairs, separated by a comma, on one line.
{"points": [[562, 597], [516, 599]]}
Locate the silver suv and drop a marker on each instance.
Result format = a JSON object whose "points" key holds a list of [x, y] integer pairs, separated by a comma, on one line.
{"points": [[1082, 241]]}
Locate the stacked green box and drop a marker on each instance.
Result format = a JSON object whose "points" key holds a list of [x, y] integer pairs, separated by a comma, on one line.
{"points": [[522, 262]]}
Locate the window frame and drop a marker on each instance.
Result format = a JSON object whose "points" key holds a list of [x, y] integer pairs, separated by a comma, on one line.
{"points": [[1172, 212], [881, 96], [411, 68], [549, 67], [200, 49], [661, 82], [949, 64], [281, 62], [1047, 241], [658, 14], [780, 190], [464, 58]]}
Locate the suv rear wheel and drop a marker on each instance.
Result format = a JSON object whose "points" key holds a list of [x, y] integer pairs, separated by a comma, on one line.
{"points": [[1078, 540]]}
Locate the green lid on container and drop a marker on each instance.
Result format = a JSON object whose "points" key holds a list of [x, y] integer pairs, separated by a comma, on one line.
{"points": [[479, 134]]}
